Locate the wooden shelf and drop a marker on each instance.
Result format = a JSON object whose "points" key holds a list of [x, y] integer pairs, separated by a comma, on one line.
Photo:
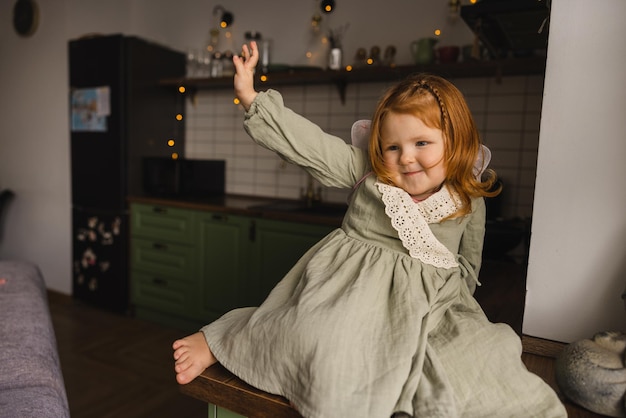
{"points": [[341, 78]]}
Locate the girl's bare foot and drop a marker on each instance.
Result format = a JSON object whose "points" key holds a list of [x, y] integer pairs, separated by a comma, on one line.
{"points": [[2, 281], [193, 356]]}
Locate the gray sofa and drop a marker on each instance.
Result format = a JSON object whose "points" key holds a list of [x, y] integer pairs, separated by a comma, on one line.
{"points": [[31, 382]]}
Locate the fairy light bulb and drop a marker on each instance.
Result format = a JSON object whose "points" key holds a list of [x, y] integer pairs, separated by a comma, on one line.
{"points": [[327, 6]]}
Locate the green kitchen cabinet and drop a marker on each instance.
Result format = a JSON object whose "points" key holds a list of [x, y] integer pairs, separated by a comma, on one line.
{"points": [[163, 261], [163, 222], [190, 266], [277, 246], [223, 249]]}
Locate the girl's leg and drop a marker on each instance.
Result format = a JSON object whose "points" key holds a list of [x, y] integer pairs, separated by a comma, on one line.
{"points": [[193, 356]]}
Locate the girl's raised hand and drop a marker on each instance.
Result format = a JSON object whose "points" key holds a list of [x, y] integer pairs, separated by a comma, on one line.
{"points": [[244, 74]]}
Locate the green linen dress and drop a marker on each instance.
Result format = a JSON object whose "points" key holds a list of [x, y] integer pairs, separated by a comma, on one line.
{"points": [[377, 318]]}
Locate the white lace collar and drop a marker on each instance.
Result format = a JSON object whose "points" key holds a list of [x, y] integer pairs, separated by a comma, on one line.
{"points": [[411, 221]]}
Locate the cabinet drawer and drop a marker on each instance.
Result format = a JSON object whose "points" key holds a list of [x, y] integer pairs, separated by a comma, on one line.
{"points": [[163, 222], [166, 260], [162, 294]]}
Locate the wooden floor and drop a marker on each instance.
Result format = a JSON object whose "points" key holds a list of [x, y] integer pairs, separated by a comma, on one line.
{"points": [[117, 366]]}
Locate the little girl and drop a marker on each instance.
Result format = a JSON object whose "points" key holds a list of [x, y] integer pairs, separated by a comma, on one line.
{"points": [[378, 319]]}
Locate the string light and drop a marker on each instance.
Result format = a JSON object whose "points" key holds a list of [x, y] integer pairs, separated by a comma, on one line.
{"points": [[227, 17], [327, 6]]}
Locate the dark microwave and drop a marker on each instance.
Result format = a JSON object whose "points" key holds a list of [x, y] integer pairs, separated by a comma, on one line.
{"points": [[166, 177]]}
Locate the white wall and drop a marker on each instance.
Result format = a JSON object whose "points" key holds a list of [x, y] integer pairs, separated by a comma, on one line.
{"points": [[185, 24], [34, 142], [578, 249]]}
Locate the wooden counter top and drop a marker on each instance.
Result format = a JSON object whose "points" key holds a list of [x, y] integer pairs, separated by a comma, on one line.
{"points": [[251, 206]]}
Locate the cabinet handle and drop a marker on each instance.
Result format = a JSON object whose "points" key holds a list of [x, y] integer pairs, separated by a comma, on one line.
{"points": [[159, 246], [158, 209], [218, 217], [160, 282]]}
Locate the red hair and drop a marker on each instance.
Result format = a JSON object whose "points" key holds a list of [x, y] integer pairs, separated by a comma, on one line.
{"points": [[439, 104]]}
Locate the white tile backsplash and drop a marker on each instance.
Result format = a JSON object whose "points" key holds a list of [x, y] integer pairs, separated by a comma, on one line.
{"points": [[471, 86], [508, 85], [476, 103], [527, 177], [505, 158], [532, 121], [528, 160], [508, 103], [530, 141], [533, 102], [513, 121], [534, 85], [507, 113]]}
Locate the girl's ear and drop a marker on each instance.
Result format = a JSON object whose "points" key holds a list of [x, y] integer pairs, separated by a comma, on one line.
{"points": [[482, 161], [360, 133]]}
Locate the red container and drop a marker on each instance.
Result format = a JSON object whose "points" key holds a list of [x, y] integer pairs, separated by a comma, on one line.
{"points": [[448, 54]]}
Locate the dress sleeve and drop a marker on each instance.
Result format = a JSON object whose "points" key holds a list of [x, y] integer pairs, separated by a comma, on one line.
{"points": [[471, 246], [299, 141]]}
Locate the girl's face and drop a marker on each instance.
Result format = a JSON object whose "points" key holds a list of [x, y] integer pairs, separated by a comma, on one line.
{"points": [[413, 154]]}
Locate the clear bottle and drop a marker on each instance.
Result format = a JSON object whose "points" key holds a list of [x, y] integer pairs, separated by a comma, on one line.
{"points": [[228, 68], [216, 65], [265, 54], [335, 59]]}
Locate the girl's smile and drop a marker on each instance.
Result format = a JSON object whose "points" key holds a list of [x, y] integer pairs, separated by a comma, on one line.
{"points": [[413, 154]]}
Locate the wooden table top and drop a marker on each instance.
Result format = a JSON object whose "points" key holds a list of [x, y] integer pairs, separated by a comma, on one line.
{"points": [[220, 387]]}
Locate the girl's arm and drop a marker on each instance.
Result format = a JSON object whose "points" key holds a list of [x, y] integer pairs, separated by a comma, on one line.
{"points": [[301, 142], [327, 158]]}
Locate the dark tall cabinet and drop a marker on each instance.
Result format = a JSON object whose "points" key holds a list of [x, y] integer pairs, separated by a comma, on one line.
{"points": [[119, 114]]}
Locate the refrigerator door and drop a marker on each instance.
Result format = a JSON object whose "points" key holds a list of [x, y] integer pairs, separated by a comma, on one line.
{"points": [[100, 258], [119, 114], [98, 140]]}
